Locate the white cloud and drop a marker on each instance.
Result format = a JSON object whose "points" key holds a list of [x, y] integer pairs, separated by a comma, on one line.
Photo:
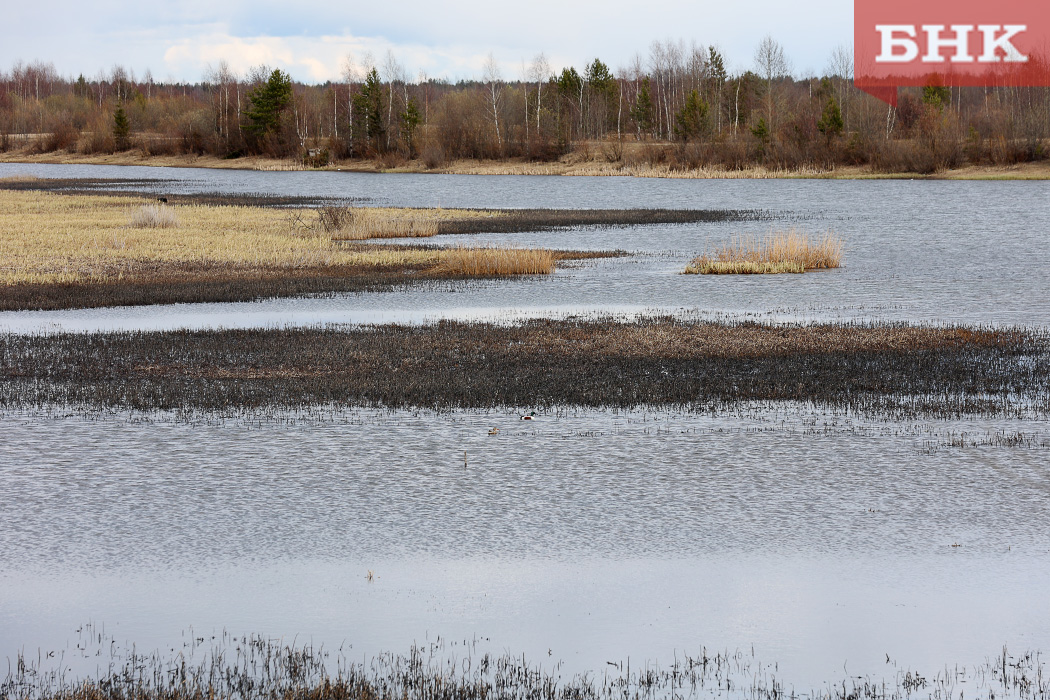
{"points": [[449, 39]]}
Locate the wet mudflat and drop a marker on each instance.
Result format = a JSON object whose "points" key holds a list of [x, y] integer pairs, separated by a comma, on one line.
{"points": [[889, 370]]}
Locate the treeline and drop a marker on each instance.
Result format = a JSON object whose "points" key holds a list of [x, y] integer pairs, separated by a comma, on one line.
{"points": [[678, 106]]}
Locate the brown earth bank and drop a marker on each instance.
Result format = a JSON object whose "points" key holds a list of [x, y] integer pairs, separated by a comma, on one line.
{"points": [[896, 371], [580, 164]]}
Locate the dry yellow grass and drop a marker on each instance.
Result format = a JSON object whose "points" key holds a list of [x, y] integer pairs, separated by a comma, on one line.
{"points": [[49, 238], [388, 222], [64, 239], [707, 266], [485, 262], [153, 216], [779, 251]]}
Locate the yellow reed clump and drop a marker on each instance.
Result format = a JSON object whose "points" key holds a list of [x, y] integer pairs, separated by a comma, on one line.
{"points": [[779, 252], [484, 262]]}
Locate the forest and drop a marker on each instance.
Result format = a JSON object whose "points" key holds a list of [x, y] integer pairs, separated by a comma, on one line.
{"points": [[677, 107]]}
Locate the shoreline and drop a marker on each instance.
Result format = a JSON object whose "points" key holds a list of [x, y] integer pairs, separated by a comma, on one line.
{"points": [[569, 166]]}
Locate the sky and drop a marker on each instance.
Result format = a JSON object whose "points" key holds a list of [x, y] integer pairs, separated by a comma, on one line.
{"points": [[311, 39]]}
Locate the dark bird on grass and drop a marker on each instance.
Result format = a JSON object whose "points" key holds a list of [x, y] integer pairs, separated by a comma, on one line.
{"points": [[529, 416], [162, 199]]}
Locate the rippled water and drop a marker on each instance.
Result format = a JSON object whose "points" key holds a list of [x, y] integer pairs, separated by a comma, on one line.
{"points": [[929, 251], [822, 542], [819, 539]]}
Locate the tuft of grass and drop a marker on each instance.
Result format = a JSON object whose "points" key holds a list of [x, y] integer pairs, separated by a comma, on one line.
{"points": [[707, 266], [780, 251], [487, 262], [350, 224], [153, 216]]}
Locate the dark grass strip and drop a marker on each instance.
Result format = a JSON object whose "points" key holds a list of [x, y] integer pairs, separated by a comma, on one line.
{"points": [[524, 220], [897, 371]]}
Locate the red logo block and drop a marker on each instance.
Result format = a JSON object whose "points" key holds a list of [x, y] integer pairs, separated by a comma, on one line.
{"points": [[950, 43]]}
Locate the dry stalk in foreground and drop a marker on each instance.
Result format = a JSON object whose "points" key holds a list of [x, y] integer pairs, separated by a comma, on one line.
{"points": [[778, 252]]}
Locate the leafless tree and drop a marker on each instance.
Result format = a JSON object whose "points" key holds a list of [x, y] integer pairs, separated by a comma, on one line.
{"points": [[494, 80], [540, 71], [225, 81], [772, 65], [395, 74], [840, 68]]}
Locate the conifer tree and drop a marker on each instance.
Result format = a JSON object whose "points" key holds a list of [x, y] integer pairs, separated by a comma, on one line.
{"points": [[642, 112], [268, 102], [121, 129]]}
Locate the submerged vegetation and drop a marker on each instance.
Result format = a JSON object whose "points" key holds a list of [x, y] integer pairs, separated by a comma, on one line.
{"points": [[260, 668], [781, 251], [889, 370]]}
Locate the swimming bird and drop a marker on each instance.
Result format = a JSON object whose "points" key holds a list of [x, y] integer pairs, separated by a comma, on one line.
{"points": [[529, 416], [494, 431]]}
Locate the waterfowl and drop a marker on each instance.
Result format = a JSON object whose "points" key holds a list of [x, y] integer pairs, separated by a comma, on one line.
{"points": [[529, 416], [493, 431]]}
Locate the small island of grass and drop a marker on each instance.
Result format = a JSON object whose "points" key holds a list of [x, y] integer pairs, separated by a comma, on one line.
{"points": [[779, 252]]}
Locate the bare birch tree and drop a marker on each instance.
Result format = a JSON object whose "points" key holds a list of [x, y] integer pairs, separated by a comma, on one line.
{"points": [[540, 71], [494, 80], [772, 65]]}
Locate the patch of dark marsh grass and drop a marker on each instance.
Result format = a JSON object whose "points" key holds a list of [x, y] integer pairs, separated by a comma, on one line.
{"points": [[889, 370]]}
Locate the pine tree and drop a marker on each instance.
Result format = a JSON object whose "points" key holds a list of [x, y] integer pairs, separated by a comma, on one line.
{"points": [[121, 129], [368, 112], [410, 120], [830, 123], [691, 122], [268, 102], [642, 112]]}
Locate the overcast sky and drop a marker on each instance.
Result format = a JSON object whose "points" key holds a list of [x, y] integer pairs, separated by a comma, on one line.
{"points": [[311, 38]]}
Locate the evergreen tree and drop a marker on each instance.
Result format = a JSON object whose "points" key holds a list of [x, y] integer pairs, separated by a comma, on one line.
{"points": [[691, 122], [121, 129], [937, 96], [642, 112], [410, 120], [716, 67], [601, 86], [600, 78], [268, 102], [830, 122], [368, 113]]}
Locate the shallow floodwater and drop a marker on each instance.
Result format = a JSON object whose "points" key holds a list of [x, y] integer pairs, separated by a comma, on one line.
{"points": [[922, 251], [820, 541], [829, 546]]}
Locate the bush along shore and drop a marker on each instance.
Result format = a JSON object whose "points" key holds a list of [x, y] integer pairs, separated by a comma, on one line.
{"points": [[885, 370]]}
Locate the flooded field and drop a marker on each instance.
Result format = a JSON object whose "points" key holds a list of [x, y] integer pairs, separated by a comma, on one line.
{"points": [[925, 251], [797, 548]]}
